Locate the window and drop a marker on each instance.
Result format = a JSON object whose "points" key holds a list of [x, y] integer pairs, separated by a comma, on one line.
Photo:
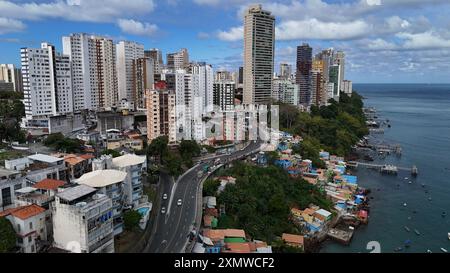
{"points": [[31, 225], [30, 239], [18, 227]]}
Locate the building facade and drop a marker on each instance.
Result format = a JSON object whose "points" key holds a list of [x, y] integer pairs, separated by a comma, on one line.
{"points": [[143, 79], [178, 60], [94, 74], [83, 221], [259, 43], [224, 94], [127, 54], [303, 74], [10, 74], [161, 114]]}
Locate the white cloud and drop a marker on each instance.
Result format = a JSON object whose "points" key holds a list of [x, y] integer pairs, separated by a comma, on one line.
{"points": [[207, 2], [423, 41], [380, 44], [234, 34], [136, 28], [8, 25], [314, 29], [77, 10]]}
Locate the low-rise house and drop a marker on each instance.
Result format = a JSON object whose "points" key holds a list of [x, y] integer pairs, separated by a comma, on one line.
{"points": [[83, 221], [77, 165], [293, 240], [323, 215], [29, 224], [10, 181]]}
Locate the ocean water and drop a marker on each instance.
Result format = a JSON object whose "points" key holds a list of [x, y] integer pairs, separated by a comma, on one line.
{"points": [[420, 119]]}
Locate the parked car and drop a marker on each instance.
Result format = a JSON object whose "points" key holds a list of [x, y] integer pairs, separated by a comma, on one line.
{"points": [[179, 202], [163, 210], [165, 196]]}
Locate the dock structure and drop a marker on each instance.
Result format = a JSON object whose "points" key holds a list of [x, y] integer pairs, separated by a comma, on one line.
{"points": [[389, 169], [341, 236]]}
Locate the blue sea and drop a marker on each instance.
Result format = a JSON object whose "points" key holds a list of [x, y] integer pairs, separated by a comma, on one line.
{"points": [[420, 118]]}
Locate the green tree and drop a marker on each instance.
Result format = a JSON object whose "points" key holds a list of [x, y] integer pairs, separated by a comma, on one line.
{"points": [[131, 219], [173, 163], [210, 187], [7, 235], [158, 148]]}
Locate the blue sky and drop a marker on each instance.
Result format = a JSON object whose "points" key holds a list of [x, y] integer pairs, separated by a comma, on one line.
{"points": [[384, 40]]}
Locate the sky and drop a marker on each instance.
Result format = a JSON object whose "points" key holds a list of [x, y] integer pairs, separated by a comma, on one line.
{"points": [[385, 41]]}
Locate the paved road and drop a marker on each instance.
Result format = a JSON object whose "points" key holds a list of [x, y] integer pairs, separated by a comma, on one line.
{"points": [[173, 227]]}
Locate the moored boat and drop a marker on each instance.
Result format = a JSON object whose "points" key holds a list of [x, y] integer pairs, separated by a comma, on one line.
{"points": [[444, 250], [407, 229], [417, 232]]}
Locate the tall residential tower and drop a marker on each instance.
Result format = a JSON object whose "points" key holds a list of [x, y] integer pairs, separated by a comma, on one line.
{"points": [[259, 42]]}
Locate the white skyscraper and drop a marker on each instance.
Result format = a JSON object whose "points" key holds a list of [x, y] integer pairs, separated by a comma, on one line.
{"points": [[206, 80], [47, 84], [127, 52], [259, 43], [94, 73]]}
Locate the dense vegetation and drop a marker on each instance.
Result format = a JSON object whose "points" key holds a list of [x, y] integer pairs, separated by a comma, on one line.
{"points": [[261, 199], [174, 161], [60, 143], [131, 219], [335, 128], [11, 112], [7, 235]]}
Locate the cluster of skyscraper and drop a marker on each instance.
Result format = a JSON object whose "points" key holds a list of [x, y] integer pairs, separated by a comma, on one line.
{"points": [[94, 74]]}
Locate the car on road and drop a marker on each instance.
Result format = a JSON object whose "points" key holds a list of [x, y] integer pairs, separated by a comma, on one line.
{"points": [[165, 196], [179, 202], [163, 210]]}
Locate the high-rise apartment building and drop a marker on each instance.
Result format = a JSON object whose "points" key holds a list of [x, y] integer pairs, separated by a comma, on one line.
{"points": [[339, 59], [285, 71], [285, 91], [303, 75], [143, 79], [94, 74], [259, 42], [161, 115], [10, 74], [205, 84], [127, 54], [178, 60], [318, 90], [334, 78], [156, 56], [224, 94], [47, 85]]}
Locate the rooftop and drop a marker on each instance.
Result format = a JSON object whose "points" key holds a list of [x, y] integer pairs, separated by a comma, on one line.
{"points": [[24, 212], [6, 172], [76, 192], [49, 184], [292, 238], [128, 160], [44, 158], [102, 178]]}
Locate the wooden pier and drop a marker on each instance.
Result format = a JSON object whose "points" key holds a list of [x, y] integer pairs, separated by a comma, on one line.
{"points": [[386, 168]]}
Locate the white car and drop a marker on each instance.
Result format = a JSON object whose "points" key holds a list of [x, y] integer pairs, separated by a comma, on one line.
{"points": [[165, 196], [163, 210], [179, 202]]}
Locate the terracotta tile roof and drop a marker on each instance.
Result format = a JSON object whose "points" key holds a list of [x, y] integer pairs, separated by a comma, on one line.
{"points": [[309, 211], [237, 248], [49, 184], [214, 234], [293, 239], [212, 212], [73, 160], [24, 212], [87, 156], [238, 233]]}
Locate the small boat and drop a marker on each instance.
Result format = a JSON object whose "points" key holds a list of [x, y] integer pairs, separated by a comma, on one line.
{"points": [[444, 250], [429, 199], [410, 182], [407, 229], [398, 249], [404, 204], [407, 243], [429, 251], [409, 218], [406, 178], [448, 235], [444, 214], [417, 232]]}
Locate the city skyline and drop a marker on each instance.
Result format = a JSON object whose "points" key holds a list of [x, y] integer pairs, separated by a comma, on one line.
{"points": [[409, 36]]}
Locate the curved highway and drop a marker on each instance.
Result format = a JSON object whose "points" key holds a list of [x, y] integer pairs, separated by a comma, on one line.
{"points": [[172, 228]]}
